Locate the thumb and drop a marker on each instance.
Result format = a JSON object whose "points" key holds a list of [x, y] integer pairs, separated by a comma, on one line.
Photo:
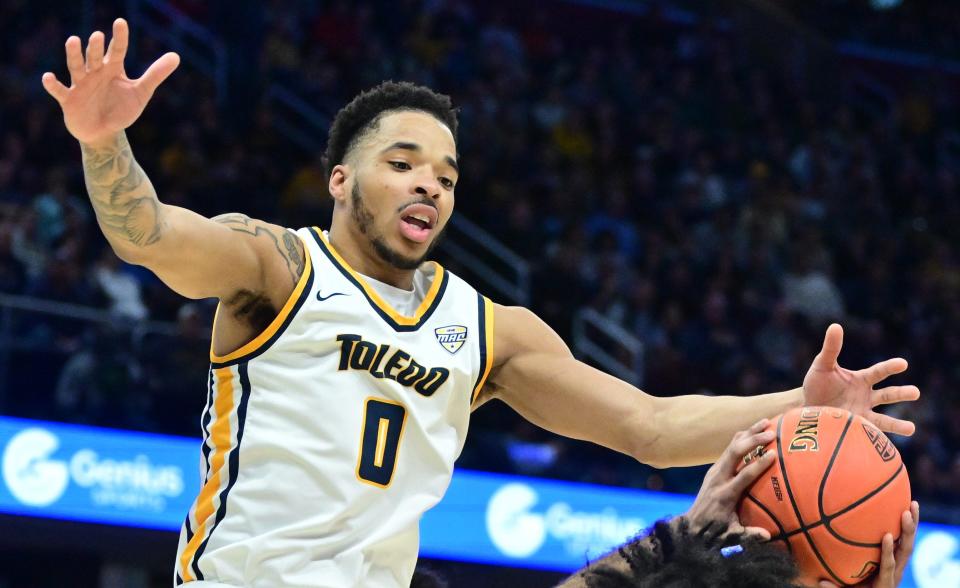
{"points": [[832, 342], [158, 71]]}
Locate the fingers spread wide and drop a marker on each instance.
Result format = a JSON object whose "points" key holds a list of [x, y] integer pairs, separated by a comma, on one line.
{"points": [[832, 343], [888, 424], [158, 71], [75, 60], [894, 394], [95, 51], [118, 43], [883, 370], [53, 86]]}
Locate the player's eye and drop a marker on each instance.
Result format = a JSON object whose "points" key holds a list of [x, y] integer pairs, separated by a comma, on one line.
{"points": [[402, 165], [447, 183]]}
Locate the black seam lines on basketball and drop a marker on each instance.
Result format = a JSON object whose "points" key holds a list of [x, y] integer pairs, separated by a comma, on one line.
{"points": [[797, 531], [828, 518], [796, 509], [776, 521], [826, 474], [846, 509]]}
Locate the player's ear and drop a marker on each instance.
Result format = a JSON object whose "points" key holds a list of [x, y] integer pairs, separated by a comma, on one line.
{"points": [[338, 182]]}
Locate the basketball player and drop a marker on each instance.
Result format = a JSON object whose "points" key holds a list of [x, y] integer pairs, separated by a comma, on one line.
{"points": [[344, 367], [686, 552]]}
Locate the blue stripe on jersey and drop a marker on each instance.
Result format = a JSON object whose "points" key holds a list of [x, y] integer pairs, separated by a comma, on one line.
{"points": [[233, 464], [205, 429], [307, 289], [386, 317], [178, 579], [482, 325]]}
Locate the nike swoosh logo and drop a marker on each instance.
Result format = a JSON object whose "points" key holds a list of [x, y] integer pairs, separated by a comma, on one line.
{"points": [[322, 298]]}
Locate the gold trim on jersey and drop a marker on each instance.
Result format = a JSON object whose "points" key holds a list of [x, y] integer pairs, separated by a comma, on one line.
{"points": [[267, 335], [486, 349], [383, 305], [220, 435]]}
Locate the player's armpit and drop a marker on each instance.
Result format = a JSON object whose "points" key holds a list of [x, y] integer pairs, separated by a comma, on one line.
{"points": [[489, 391]]}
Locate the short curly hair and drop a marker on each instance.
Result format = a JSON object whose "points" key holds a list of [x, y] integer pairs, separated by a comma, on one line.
{"points": [[363, 113]]}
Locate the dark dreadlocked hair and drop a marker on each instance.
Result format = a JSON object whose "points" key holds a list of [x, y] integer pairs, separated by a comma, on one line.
{"points": [[681, 559], [363, 113]]}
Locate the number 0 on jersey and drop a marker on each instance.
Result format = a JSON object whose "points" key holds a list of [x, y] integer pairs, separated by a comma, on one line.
{"points": [[382, 428]]}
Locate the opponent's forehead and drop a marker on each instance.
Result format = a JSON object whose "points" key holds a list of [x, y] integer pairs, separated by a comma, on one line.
{"points": [[412, 127]]}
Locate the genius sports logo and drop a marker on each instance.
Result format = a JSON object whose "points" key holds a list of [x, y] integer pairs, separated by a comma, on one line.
{"points": [[515, 530], [451, 337], [519, 529], [30, 474], [41, 470], [936, 559]]}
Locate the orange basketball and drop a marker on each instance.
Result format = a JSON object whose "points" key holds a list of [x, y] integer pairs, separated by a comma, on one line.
{"points": [[838, 485]]}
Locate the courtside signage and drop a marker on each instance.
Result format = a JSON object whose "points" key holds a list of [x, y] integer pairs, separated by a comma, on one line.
{"points": [[96, 475], [532, 523], [526, 522]]}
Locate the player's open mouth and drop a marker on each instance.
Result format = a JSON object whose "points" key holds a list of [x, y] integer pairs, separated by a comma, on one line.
{"points": [[417, 222]]}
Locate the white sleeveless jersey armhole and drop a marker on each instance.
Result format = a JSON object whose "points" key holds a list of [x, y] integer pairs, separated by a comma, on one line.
{"points": [[327, 437]]}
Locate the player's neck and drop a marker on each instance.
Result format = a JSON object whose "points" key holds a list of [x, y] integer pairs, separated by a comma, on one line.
{"points": [[362, 258]]}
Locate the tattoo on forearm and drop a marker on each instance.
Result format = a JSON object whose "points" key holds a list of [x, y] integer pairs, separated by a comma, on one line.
{"points": [[291, 251], [123, 198]]}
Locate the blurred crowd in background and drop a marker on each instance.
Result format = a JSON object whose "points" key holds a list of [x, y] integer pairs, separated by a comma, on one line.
{"points": [[722, 203], [908, 25]]}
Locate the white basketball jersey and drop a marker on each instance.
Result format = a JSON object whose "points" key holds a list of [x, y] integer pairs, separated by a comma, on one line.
{"points": [[328, 436]]}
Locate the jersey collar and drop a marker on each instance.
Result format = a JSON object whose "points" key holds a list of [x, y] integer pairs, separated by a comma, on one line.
{"points": [[393, 318]]}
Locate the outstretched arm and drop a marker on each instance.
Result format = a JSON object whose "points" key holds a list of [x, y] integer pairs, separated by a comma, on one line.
{"points": [[230, 257], [688, 545], [535, 373]]}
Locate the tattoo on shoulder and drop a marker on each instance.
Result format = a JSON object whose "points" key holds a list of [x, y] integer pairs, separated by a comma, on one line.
{"points": [[295, 251], [291, 250]]}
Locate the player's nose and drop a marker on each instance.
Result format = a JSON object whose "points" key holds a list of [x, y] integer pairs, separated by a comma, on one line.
{"points": [[428, 186]]}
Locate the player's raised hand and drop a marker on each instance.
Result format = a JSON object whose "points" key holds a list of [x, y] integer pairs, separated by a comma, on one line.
{"points": [[893, 563], [828, 384], [726, 481], [101, 100]]}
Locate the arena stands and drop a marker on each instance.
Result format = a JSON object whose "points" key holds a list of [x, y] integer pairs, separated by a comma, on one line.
{"points": [[720, 204]]}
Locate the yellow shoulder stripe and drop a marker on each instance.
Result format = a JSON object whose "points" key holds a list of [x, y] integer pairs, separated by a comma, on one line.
{"points": [[488, 348], [277, 322]]}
